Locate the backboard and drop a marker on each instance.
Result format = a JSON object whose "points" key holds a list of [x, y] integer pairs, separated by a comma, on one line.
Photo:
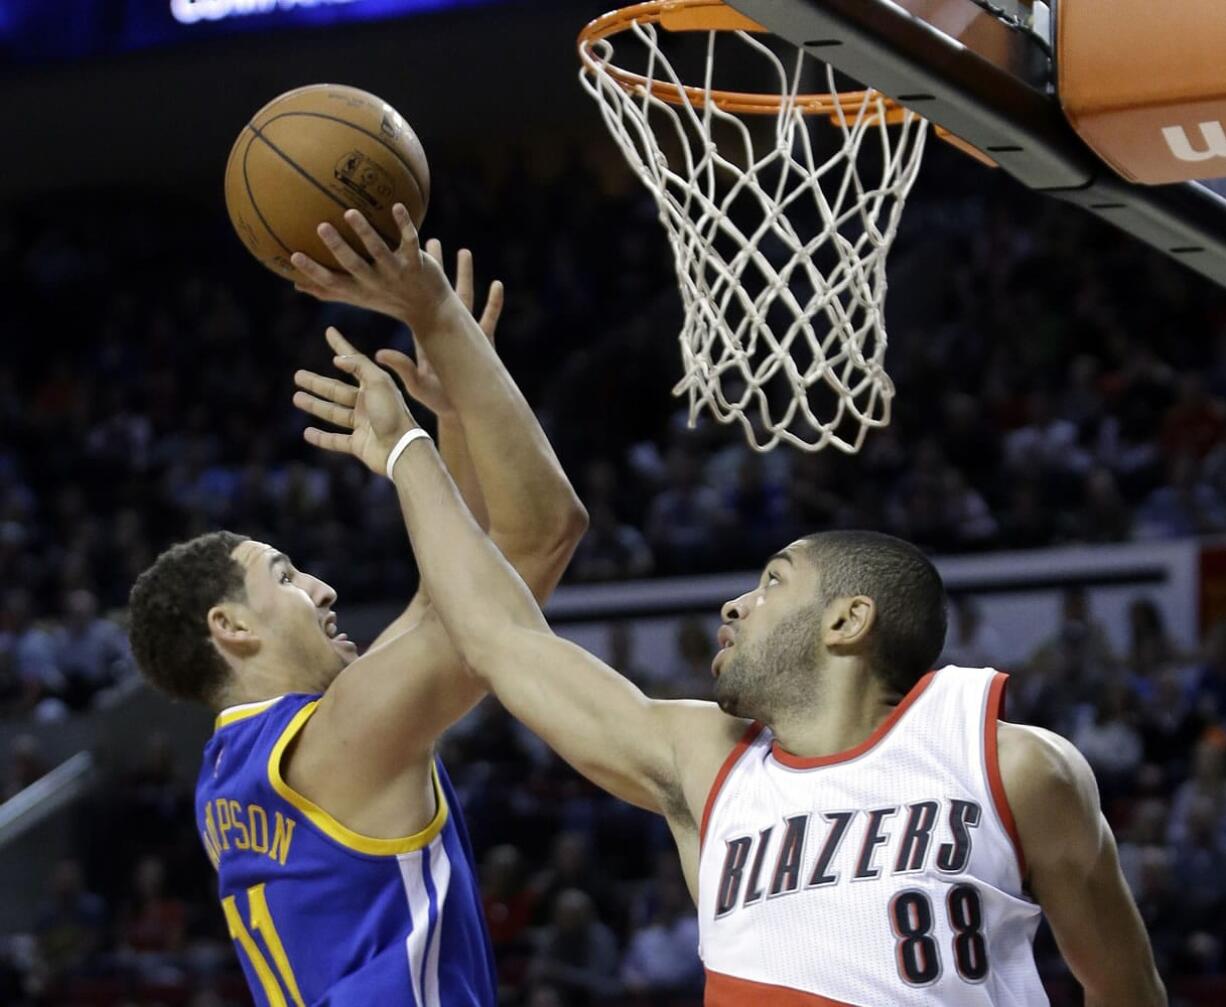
{"points": [[984, 70]]}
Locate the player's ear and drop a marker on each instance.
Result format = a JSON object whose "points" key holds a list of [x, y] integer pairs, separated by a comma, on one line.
{"points": [[231, 629], [847, 621]]}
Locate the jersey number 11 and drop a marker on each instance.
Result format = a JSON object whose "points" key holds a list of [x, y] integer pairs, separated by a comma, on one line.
{"points": [[261, 923]]}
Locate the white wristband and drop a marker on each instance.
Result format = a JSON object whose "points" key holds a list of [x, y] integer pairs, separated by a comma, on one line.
{"points": [[394, 455]]}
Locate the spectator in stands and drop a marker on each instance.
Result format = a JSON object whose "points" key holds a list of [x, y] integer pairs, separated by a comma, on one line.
{"points": [[1107, 736], [970, 443], [570, 867], [92, 652], [973, 642], [1208, 686], [1028, 521], [610, 550], [32, 649], [686, 519], [756, 507], [814, 499], [544, 995], [1103, 514], [152, 924], [1185, 506], [1196, 422], [26, 764], [1145, 830], [663, 955], [577, 953], [12, 689], [1205, 788], [1200, 865], [1149, 643], [1169, 724], [1161, 905], [1047, 444], [972, 524], [689, 674], [1069, 666], [620, 645], [509, 905], [72, 926]]}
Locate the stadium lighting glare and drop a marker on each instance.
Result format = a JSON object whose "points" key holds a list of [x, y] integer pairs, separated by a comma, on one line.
{"points": [[192, 11]]}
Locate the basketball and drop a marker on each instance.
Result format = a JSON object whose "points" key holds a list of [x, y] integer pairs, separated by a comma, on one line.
{"points": [[311, 154]]}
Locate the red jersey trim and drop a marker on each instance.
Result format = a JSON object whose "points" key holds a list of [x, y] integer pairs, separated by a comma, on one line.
{"points": [[993, 715], [881, 730], [729, 991], [734, 757]]}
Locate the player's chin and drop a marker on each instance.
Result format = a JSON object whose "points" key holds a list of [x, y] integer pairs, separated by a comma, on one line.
{"points": [[727, 697]]}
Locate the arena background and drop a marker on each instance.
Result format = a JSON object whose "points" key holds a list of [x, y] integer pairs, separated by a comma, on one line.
{"points": [[1059, 446]]}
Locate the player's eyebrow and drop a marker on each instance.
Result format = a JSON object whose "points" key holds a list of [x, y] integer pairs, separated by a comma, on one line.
{"points": [[783, 556], [277, 557]]}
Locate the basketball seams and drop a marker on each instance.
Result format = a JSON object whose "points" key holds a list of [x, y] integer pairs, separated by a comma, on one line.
{"points": [[412, 172], [251, 198], [392, 242]]}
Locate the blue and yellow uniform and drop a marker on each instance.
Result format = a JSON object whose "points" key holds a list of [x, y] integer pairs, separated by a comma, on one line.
{"points": [[319, 914]]}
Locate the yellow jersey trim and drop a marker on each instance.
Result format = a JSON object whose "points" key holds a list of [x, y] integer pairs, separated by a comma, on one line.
{"points": [[236, 713], [328, 825]]}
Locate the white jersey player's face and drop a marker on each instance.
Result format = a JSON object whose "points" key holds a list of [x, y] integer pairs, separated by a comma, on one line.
{"points": [[770, 638], [285, 629], [777, 639]]}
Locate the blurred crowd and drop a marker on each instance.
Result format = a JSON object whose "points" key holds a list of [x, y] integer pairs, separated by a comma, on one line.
{"points": [[1056, 383]]}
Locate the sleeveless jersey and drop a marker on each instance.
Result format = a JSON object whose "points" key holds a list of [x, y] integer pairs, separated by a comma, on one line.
{"points": [[889, 875], [321, 915]]}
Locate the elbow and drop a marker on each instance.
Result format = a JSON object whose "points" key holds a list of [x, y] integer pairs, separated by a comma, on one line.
{"points": [[562, 535], [574, 522]]}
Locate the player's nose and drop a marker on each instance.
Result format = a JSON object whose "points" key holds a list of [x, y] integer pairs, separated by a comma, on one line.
{"points": [[733, 610], [322, 593]]}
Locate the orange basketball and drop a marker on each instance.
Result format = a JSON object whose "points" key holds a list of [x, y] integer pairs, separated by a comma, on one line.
{"points": [[311, 154]]}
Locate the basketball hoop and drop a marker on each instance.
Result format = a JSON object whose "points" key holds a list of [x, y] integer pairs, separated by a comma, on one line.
{"points": [[780, 249]]}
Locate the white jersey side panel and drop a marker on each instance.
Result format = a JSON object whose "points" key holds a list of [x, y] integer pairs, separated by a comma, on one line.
{"points": [[886, 876]]}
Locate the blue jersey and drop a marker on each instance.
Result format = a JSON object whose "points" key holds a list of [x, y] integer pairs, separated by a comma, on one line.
{"points": [[319, 914]]}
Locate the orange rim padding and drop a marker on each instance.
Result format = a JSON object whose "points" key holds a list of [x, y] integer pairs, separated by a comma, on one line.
{"points": [[710, 15]]}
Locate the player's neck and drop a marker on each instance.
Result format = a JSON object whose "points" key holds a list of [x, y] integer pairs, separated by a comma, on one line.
{"points": [[849, 706], [260, 678]]}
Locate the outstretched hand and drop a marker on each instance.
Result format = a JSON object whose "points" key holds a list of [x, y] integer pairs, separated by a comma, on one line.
{"points": [[405, 284], [373, 411], [418, 377]]}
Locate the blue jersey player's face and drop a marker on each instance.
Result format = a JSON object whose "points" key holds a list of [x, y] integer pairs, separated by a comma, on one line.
{"points": [[290, 615]]}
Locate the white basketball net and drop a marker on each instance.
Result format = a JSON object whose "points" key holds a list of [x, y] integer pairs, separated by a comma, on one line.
{"points": [[780, 257]]}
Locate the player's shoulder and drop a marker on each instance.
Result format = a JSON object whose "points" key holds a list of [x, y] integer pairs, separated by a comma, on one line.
{"points": [[1050, 788], [1040, 757]]}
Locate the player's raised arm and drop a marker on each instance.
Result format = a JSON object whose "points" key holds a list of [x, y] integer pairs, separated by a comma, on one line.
{"points": [[534, 516], [1074, 869], [592, 716], [494, 448]]}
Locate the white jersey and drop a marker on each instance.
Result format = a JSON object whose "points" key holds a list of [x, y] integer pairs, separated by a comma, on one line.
{"points": [[888, 875]]}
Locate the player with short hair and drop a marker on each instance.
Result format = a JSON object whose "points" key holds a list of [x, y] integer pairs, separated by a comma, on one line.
{"points": [[855, 828], [344, 869]]}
